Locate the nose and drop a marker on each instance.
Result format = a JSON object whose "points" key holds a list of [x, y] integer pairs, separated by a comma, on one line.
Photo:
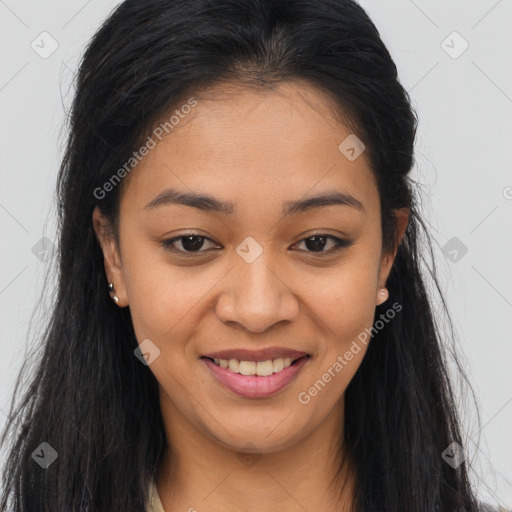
{"points": [[256, 297]]}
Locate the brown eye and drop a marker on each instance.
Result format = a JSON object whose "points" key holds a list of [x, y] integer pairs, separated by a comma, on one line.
{"points": [[189, 243], [319, 241]]}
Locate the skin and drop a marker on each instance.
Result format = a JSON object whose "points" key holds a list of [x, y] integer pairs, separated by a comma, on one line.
{"points": [[257, 150]]}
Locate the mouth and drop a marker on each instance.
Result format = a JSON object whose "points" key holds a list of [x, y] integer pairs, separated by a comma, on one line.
{"points": [[256, 375]]}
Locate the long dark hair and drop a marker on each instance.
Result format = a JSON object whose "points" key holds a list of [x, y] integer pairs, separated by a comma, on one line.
{"points": [[89, 397]]}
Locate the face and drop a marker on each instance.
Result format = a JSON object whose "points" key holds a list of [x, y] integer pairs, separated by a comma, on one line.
{"points": [[280, 264]]}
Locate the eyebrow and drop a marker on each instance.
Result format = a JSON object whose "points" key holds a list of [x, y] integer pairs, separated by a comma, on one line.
{"points": [[211, 204]]}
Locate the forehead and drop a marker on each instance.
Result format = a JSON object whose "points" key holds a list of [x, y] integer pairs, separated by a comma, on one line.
{"points": [[242, 144]]}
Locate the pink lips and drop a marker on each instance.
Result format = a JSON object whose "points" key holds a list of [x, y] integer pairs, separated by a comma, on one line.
{"points": [[254, 386]]}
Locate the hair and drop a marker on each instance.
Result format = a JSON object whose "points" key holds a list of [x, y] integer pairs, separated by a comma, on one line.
{"points": [[89, 397]]}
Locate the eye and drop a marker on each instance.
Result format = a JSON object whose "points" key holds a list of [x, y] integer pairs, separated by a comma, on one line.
{"points": [[317, 242], [190, 243], [194, 243]]}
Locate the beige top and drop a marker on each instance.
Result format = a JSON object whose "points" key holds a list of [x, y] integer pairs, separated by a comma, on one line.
{"points": [[154, 505]]}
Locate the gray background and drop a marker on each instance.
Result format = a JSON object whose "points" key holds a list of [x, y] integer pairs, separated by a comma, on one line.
{"points": [[464, 101]]}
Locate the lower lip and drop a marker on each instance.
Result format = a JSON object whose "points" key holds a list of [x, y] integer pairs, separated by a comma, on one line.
{"points": [[254, 386]]}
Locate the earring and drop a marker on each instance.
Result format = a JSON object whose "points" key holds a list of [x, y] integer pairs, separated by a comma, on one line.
{"points": [[115, 298], [383, 295]]}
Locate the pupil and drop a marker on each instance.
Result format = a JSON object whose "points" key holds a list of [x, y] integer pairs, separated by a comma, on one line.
{"points": [[192, 243], [316, 245]]}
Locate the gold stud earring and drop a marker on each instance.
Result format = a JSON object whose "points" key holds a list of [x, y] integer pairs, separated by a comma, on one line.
{"points": [[115, 298]]}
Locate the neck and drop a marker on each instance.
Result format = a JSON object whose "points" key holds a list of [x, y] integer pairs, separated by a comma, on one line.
{"points": [[198, 473]]}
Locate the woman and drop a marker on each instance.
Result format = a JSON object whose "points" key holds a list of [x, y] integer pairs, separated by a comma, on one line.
{"points": [[242, 320]]}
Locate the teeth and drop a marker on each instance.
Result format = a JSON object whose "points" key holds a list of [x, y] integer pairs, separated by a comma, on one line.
{"points": [[264, 368], [248, 367], [278, 364], [260, 368]]}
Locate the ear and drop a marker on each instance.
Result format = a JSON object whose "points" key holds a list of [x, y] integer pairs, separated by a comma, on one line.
{"points": [[387, 259], [111, 256]]}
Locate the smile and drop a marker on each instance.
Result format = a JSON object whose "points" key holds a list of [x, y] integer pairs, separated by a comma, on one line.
{"points": [[255, 379]]}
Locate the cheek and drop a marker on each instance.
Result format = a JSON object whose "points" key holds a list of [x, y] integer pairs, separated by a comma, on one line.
{"points": [[166, 301], [344, 300]]}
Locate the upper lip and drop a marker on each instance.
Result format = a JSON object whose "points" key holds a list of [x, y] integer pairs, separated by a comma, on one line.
{"points": [[263, 354]]}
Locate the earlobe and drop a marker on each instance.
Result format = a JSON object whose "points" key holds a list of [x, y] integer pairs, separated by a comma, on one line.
{"points": [[114, 274]]}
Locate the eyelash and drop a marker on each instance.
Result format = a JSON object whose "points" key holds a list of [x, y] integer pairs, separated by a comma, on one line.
{"points": [[339, 244]]}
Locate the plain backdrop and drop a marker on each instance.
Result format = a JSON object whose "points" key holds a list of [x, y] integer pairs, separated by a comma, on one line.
{"points": [[454, 59]]}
